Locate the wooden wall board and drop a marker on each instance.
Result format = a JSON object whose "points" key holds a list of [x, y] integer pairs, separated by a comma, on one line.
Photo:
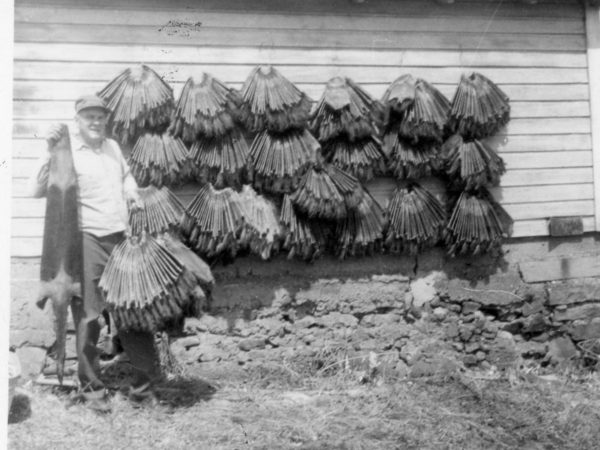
{"points": [[208, 36], [541, 143], [131, 52], [535, 53], [61, 110], [47, 90], [485, 8], [560, 268], [538, 177], [399, 58], [190, 18], [237, 73]]}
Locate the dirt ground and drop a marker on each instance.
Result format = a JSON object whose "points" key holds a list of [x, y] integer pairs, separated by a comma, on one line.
{"points": [[286, 406]]}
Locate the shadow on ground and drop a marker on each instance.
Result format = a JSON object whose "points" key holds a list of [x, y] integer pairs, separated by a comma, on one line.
{"points": [[180, 392], [183, 393], [20, 409]]}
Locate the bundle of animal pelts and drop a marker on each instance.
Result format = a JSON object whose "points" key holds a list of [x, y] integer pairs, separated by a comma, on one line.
{"points": [[297, 236], [318, 196], [277, 161], [161, 217], [205, 109], [349, 186], [362, 158], [261, 231], [148, 287], [159, 159], [195, 265], [471, 164], [479, 108], [415, 117], [161, 212], [213, 221], [345, 111], [345, 122], [408, 160], [362, 229], [477, 225], [271, 102], [338, 211], [219, 160], [418, 109], [221, 221], [140, 101], [415, 219]]}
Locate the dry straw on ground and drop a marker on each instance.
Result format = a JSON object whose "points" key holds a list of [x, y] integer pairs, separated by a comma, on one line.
{"points": [[325, 403]]}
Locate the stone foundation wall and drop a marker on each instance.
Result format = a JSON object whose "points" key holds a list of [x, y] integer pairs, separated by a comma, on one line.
{"points": [[501, 321], [409, 309]]}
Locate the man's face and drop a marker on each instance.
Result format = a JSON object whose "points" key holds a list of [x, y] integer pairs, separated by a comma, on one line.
{"points": [[92, 123]]}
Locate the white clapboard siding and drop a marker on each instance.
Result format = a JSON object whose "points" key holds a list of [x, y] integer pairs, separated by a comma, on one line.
{"points": [[155, 54], [535, 53], [543, 10], [209, 36], [195, 19], [228, 73], [69, 90], [64, 109]]}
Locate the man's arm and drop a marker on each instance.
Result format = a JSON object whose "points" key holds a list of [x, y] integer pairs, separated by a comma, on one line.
{"points": [[130, 187]]}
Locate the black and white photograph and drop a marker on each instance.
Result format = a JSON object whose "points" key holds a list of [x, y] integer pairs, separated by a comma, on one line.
{"points": [[301, 224]]}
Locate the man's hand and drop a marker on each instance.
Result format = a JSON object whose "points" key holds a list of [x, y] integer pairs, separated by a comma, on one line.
{"points": [[134, 202], [54, 134]]}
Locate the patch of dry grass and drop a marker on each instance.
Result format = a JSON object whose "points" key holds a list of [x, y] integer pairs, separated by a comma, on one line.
{"points": [[280, 406]]}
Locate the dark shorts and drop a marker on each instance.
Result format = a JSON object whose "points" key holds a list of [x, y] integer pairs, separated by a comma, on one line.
{"points": [[96, 251]]}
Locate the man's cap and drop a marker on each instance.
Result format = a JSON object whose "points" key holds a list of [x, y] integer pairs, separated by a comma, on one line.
{"points": [[90, 101]]}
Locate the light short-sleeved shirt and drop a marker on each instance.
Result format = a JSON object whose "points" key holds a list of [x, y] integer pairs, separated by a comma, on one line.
{"points": [[104, 181]]}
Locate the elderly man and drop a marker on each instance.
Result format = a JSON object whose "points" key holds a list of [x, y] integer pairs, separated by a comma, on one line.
{"points": [[105, 190]]}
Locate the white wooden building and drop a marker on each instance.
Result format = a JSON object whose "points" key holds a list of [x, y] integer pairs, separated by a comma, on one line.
{"points": [[542, 55]]}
